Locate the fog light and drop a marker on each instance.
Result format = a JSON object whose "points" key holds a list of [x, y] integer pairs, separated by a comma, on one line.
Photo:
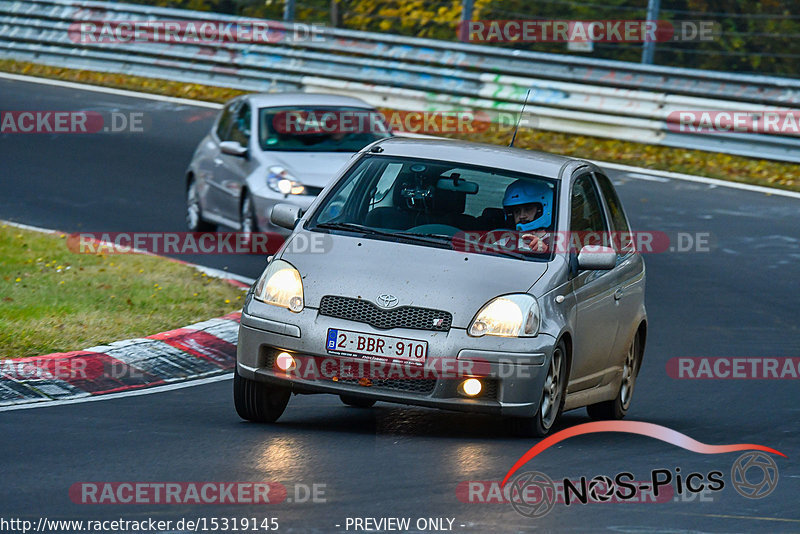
{"points": [[285, 361], [471, 387]]}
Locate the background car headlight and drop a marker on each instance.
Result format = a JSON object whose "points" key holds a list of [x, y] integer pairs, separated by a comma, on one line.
{"points": [[280, 181], [280, 285], [509, 316]]}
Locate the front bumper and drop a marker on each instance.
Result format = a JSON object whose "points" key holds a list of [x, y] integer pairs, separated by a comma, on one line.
{"points": [[512, 370]]}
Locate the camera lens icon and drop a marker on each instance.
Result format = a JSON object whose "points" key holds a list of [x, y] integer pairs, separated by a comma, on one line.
{"points": [[532, 494], [754, 475]]}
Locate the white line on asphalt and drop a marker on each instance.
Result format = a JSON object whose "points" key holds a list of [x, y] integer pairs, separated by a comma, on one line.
{"points": [[109, 90], [212, 105], [700, 179], [29, 227], [210, 271], [647, 177], [121, 394]]}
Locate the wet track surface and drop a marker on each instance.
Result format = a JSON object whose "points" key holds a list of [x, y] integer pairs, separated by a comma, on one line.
{"points": [[739, 299]]}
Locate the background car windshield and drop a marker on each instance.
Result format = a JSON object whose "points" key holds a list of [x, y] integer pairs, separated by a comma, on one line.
{"points": [[405, 196], [300, 129]]}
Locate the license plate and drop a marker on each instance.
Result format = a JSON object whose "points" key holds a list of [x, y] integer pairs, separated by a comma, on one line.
{"points": [[345, 342]]}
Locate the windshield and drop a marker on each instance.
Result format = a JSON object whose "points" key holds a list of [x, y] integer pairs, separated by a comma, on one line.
{"points": [[315, 129], [443, 204]]}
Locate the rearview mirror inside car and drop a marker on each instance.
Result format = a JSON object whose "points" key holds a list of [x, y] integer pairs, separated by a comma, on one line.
{"points": [[454, 183]]}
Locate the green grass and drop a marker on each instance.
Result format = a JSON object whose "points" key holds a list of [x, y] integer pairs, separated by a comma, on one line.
{"points": [[55, 300]]}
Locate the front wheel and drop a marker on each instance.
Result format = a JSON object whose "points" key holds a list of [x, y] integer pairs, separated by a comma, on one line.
{"points": [[552, 398], [257, 401], [194, 214], [617, 408]]}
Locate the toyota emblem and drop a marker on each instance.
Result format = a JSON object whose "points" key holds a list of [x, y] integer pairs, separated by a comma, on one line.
{"points": [[387, 301]]}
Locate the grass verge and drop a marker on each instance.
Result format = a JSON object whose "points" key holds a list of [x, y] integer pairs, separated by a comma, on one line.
{"points": [[55, 300], [710, 164]]}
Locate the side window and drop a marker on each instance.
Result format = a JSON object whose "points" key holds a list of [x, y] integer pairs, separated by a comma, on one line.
{"points": [[587, 212], [623, 241], [336, 205], [241, 126], [225, 120], [384, 185]]}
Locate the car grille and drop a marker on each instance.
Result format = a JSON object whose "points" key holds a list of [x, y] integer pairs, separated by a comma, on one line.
{"points": [[363, 311], [410, 385]]}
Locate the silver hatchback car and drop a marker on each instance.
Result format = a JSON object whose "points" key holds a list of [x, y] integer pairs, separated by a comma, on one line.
{"points": [[451, 275], [253, 159]]}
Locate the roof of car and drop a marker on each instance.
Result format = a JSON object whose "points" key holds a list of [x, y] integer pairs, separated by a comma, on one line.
{"points": [[514, 159], [305, 99]]}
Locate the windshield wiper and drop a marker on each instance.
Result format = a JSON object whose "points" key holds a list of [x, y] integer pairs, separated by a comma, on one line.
{"points": [[432, 239], [352, 227]]}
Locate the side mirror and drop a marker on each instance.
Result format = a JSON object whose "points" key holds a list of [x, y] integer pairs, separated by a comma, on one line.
{"points": [[233, 148], [285, 215], [597, 258]]}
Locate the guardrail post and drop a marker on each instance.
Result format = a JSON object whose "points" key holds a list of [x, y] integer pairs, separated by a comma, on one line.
{"points": [[466, 16], [335, 22], [649, 47], [288, 10]]}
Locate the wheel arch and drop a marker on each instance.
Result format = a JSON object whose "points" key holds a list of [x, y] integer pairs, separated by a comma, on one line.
{"points": [[641, 332], [566, 337]]}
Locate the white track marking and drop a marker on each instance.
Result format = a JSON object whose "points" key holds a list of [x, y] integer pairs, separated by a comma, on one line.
{"points": [[109, 90], [210, 271], [31, 228], [110, 396], [647, 177], [699, 179], [213, 105]]}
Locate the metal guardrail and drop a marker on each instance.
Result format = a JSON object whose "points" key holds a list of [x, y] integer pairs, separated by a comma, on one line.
{"points": [[569, 94]]}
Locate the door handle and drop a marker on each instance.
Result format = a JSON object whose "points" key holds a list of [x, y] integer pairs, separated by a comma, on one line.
{"points": [[618, 293]]}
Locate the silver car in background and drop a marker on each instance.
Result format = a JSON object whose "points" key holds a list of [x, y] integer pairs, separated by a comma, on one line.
{"points": [[246, 165], [416, 275]]}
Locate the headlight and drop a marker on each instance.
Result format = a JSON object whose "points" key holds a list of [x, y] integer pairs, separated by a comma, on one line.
{"points": [[280, 181], [280, 285], [507, 316]]}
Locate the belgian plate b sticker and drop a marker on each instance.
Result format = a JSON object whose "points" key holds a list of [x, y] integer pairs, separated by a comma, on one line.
{"points": [[332, 335]]}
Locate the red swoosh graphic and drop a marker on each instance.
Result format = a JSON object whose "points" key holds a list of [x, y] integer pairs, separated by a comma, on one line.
{"points": [[633, 427]]}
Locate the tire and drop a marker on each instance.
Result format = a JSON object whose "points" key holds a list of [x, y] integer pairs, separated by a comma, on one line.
{"points": [[247, 214], [551, 402], [357, 402], [257, 401], [617, 408], [194, 214]]}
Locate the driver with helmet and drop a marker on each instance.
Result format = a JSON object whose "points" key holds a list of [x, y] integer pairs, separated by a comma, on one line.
{"points": [[530, 204]]}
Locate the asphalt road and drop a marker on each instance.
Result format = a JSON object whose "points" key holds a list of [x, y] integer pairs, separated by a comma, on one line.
{"points": [[738, 299]]}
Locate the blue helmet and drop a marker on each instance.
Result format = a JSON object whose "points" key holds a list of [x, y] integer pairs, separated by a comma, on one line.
{"points": [[529, 192]]}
